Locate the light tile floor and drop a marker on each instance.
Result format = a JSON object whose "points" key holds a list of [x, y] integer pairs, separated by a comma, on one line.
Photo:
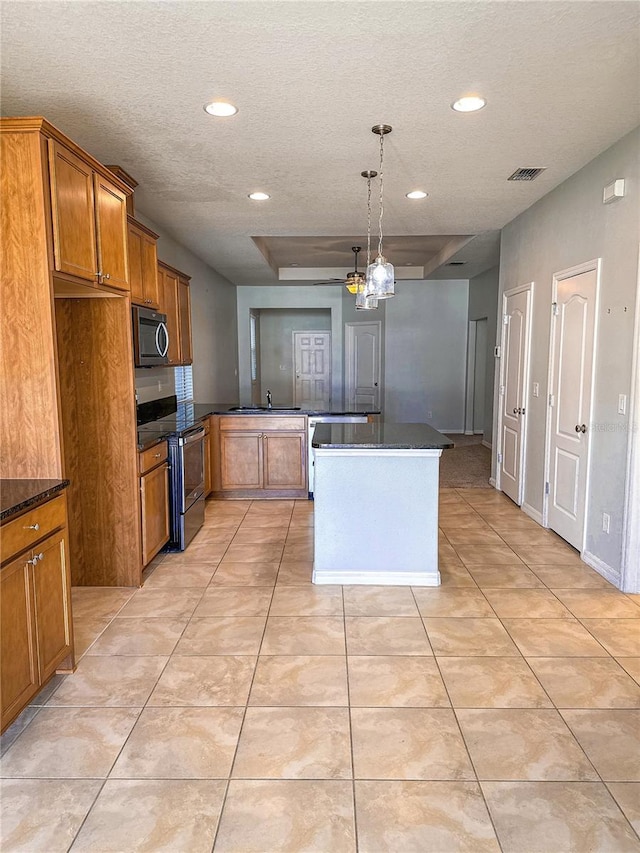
{"points": [[230, 705]]}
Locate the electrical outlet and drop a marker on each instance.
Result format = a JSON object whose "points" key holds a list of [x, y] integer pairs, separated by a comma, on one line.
{"points": [[536, 389], [429, 415], [606, 522], [622, 404]]}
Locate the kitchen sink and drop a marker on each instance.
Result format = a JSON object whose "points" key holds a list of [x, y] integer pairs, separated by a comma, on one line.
{"points": [[264, 409]]}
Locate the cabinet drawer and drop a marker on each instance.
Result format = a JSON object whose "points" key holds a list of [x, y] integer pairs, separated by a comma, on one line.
{"points": [[263, 422], [155, 455], [23, 532]]}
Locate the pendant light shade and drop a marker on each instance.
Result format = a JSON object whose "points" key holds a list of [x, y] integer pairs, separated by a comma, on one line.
{"points": [[380, 275], [364, 302]]}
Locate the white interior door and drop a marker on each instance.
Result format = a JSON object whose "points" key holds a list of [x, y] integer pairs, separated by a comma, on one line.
{"points": [[362, 360], [312, 365], [572, 360], [513, 389]]}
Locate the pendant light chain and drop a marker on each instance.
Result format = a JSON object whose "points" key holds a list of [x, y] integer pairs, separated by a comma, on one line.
{"points": [[381, 210], [368, 221]]}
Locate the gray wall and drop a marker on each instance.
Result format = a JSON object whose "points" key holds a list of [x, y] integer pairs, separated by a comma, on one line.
{"points": [[426, 353], [213, 320], [292, 298], [568, 226], [483, 302], [277, 326]]}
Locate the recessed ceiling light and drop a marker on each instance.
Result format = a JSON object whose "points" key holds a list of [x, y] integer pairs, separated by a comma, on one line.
{"points": [[222, 109], [468, 104], [259, 196], [416, 194]]}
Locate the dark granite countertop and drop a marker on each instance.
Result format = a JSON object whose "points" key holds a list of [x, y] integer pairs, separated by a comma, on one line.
{"points": [[18, 495], [187, 415], [384, 436]]}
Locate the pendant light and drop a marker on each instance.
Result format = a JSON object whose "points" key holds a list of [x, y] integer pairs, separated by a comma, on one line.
{"points": [[364, 302], [380, 274], [355, 279]]}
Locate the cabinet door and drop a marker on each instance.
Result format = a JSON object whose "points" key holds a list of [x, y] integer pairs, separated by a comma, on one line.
{"points": [[73, 213], [111, 226], [136, 274], [184, 291], [207, 465], [150, 271], [19, 679], [241, 460], [52, 589], [285, 460], [169, 306], [154, 501]]}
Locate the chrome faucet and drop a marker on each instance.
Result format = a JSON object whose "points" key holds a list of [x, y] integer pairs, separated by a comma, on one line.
{"points": [[269, 400]]}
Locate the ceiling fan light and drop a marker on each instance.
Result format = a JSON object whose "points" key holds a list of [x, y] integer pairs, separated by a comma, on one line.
{"points": [[380, 279], [355, 282]]}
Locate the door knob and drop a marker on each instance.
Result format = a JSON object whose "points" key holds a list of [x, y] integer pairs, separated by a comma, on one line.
{"points": [[515, 411], [582, 428]]}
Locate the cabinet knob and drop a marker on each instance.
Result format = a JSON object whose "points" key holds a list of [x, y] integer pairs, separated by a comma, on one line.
{"points": [[36, 558], [35, 526], [107, 275], [157, 455]]}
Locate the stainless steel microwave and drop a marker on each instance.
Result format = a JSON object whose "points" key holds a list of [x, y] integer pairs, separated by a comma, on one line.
{"points": [[150, 338]]}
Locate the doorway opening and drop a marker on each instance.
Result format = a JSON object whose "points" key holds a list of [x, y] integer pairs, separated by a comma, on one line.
{"points": [[478, 382], [276, 335]]}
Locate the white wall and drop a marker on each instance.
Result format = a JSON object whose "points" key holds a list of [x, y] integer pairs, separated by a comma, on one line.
{"points": [[426, 353], [294, 297], [213, 322], [277, 326], [483, 302], [566, 227]]}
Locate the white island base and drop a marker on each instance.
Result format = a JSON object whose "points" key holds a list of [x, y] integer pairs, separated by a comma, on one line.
{"points": [[376, 516]]}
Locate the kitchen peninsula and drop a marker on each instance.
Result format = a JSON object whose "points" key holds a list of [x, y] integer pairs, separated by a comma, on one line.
{"points": [[376, 503]]}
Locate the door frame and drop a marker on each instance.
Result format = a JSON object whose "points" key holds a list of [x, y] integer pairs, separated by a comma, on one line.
{"points": [[529, 288], [594, 265], [349, 385], [472, 334], [293, 350], [630, 574]]}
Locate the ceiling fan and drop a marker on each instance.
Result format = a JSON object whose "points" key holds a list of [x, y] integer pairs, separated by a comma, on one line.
{"points": [[352, 279]]}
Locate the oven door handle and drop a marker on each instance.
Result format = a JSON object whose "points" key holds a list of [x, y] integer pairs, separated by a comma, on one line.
{"points": [[189, 438], [163, 327]]}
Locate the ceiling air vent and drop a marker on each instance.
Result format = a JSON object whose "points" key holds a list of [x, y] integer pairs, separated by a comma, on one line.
{"points": [[456, 263], [524, 174]]}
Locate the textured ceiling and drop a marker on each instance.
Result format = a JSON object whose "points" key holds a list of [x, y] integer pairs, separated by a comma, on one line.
{"points": [[128, 80]]}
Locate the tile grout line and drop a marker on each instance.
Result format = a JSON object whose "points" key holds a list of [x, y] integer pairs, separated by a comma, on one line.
{"points": [[353, 766]]}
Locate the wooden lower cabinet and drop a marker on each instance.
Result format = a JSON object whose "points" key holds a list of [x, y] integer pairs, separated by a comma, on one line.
{"points": [[208, 485], [260, 457], [154, 501], [36, 632]]}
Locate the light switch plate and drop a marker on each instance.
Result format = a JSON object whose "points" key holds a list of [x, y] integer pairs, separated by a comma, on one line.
{"points": [[622, 404], [536, 389]]}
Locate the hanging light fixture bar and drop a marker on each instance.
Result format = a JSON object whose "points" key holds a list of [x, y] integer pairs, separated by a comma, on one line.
{"points": [[380, 276], [364, 302]]}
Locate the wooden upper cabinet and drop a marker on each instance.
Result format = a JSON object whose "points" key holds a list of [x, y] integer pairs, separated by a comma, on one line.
{"points": [[143, 265], [72, 208], [184, 299], [111, 222], [89, 218], [169, 305]]}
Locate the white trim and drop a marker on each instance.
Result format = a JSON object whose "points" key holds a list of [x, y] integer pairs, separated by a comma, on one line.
{"points": [[359, 451], [330, 576], [533, 513], [601, 567], [594, 265], [452, 431], [487, 444], [469, 432], [471, 376], [528, 288], [630, 574], [492, 482]]}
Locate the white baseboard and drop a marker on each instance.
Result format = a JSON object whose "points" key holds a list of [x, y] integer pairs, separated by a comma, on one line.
{"points": [[492, 482], [376, 578], [469, 432], [533, 513], [604, 569], [452, 431], [487, 444]]}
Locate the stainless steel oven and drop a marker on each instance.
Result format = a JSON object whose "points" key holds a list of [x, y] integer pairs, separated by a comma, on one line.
{"points": [[186, 456], [150, 338]]}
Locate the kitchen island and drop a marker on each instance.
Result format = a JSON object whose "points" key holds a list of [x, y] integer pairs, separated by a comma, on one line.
{"points": [[376, 503]]}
